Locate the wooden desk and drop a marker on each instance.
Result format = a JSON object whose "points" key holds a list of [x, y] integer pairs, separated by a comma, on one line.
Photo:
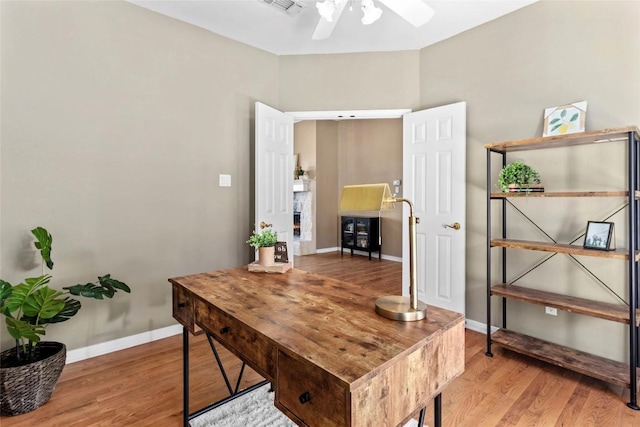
{"points": [[320, 340]]}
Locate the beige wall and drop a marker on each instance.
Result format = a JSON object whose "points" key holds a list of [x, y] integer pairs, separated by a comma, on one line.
{"points": [[305, 146], [508, 71], [362, 81], [116, 122], [327, 185]]}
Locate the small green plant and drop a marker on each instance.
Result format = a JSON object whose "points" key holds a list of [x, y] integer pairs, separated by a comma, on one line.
{"points": [[264, 239], [517, 173], [31, 306]]}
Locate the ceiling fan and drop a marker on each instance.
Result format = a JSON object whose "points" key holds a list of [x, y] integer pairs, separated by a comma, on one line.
{"points": [[416, 12]]}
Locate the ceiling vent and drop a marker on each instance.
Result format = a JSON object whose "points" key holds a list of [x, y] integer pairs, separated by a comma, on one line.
{"points": [[288, 7]]}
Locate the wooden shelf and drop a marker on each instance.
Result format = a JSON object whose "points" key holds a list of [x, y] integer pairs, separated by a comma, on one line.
{"points": [[606, 135], [602, 310], [562, 248], [584, 363], [500, 195]]}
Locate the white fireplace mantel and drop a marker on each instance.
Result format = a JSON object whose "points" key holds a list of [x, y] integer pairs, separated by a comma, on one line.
{"points": [[301, 185]]}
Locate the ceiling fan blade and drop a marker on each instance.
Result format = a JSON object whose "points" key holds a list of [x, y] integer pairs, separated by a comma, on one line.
{"points": [[416, 12], [325, 28]]}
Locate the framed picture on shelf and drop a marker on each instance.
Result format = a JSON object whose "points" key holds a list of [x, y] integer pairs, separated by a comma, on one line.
{"points": [[565, 119], [600, 235]]}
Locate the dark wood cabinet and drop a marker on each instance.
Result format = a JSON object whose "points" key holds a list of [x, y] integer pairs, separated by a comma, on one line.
{"points": [[361, 233]]}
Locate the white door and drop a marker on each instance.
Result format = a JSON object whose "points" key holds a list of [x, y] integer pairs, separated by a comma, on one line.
{"points": [[274, 172], [434, 163]]}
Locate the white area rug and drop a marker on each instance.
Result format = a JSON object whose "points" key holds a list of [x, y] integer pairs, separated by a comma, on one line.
{"points": [[254, 409]]}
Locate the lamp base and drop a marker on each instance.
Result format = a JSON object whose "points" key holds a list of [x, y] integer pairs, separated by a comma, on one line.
{"points": [[399, 308]]}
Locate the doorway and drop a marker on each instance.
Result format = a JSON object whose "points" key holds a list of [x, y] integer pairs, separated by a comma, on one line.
{"points": [[304, 188], [415, 132], [316, 136]]}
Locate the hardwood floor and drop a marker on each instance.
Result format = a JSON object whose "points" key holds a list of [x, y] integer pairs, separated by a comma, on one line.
{"points": [[142, 386]]}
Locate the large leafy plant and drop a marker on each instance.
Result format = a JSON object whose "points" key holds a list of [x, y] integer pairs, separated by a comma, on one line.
{"points": [[32, 305]]}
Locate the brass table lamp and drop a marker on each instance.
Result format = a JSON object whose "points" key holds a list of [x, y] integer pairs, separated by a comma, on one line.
{"points": [[377, 197]]}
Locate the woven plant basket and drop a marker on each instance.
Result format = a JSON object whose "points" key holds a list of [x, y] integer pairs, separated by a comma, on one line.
{"points": [[25, 388]]}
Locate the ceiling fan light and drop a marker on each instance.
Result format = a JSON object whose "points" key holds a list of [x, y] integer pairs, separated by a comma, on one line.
{"points": [[326, 9], [370, 11]]}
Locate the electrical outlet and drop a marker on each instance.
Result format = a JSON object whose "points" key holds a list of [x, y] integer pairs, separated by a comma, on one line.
{"points": [[550, 310]]}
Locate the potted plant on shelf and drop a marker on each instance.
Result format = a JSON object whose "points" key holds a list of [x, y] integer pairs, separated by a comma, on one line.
{"points": [[30, 370], [264, 242], [519, 177]]}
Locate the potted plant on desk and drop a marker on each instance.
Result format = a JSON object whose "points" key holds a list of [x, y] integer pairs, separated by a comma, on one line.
{"points": [[30, 370], [264, 242]]}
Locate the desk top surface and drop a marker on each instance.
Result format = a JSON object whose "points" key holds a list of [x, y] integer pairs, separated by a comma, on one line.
{"points": [[323, 320]]}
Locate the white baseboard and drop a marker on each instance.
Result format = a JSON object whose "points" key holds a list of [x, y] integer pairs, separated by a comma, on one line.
{"points": [[327, 250], [357, 252], [122, 343], [373, 255], [474, 325]]}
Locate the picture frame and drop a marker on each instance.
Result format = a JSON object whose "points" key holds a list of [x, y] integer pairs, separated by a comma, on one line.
{"points": [[600, 235], [565, 119], [281, 253]]}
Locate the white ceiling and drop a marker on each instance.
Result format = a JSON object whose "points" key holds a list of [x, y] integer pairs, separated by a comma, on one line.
{"points": [[259, 25]]}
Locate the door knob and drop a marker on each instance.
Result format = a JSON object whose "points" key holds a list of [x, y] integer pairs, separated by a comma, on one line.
{"points": [[264, 225], [455, 226]]}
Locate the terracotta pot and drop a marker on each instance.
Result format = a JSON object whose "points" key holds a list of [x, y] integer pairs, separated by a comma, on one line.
{"points": [[266, 256]]}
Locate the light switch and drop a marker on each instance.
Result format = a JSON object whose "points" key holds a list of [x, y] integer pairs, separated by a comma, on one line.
{"points": [[225, 180]]}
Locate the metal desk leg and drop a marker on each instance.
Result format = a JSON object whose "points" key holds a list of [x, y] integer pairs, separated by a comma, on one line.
{"points": [[185, 377], [233, 393], [437, 410]]}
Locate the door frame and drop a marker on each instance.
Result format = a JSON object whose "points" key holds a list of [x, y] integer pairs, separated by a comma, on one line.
{"points": [[339, 115], [299, 116]]}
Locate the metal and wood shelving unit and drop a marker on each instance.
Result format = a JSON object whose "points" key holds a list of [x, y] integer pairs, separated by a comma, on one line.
{"points": [[624, 374]]}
